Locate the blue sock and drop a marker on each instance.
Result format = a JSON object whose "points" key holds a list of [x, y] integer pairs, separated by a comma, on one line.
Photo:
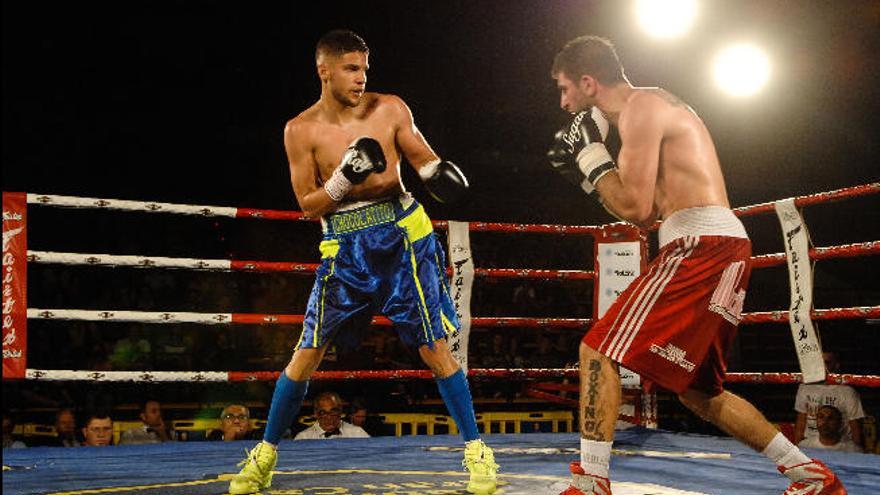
{"points": [[457, 396], [286, 400]]}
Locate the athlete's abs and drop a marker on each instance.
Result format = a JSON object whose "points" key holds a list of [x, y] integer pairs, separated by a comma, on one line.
{"points": [[689, 173], [331, 142]]}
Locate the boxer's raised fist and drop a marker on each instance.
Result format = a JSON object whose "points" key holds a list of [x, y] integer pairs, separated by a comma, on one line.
{"points": [[363, 157], [578, 152]]}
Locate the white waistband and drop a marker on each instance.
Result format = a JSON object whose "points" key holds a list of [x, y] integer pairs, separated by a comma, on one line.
{"points": [[701, 220], [405, 199]]}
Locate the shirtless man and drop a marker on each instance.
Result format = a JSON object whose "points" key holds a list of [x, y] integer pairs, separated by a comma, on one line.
{"points": [[379, 252], [674, 323]]}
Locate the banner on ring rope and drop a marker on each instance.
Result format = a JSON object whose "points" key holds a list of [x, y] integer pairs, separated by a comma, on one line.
{"points": [[14, 284], [800, 278], [461, 284], [617, 265]]}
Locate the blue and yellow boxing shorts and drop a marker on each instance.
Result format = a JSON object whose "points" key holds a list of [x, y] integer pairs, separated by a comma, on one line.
{"points": [[380, 258]]}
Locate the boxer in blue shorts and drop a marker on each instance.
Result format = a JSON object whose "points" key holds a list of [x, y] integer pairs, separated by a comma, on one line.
{"points": [[379, 252]]}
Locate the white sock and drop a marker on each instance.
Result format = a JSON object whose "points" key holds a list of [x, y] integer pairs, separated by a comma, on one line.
{"points": [[595, 457], [270, 445], [784, 453]]}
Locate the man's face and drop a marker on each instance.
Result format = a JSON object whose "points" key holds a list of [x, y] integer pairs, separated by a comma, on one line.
{"points": [[346, 76], [65, 424], [329, 414], [831, 363], [829, 422], [359, 417], [235, 423], [152, 415], [99, 431], [574, 95]]}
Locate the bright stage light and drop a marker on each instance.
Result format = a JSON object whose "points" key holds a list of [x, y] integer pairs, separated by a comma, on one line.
{"points": [[742, 69], [666, 18]]}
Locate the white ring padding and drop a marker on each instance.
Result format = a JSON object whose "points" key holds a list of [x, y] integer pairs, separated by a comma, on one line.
{"points": [[121, 204], [94, 259], [128, 376], [136, 316]]}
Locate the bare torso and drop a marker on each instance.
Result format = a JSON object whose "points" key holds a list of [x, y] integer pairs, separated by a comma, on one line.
{"points": [[688, 173], [326, 142]]}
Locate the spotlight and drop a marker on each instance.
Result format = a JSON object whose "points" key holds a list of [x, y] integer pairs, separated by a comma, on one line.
{"points": [[741, 69], [666, 18]]}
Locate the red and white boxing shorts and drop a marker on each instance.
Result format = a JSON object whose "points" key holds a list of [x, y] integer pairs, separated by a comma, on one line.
{"points": [[674, 323]]}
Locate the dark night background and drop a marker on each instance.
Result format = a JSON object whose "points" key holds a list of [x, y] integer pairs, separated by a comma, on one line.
{"points": [[185, 102]]}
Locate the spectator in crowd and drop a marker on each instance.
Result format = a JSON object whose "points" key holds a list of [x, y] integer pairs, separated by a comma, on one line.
{"points": [[843, 397], [359, 416], [131, 352], [235, 424], [496, 356], [829, 423], [65, 427], [153, 428], [98, 430], [9, 442], [545, 356], [328, 411]]}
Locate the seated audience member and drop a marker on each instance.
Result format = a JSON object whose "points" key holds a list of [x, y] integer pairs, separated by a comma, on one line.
{"points": [[360, 417], [235, 424], [153, 429], [545, 356], [65, 427], [328, 410], [98, 430], [8, 441], [829, 423], [843, 397]]}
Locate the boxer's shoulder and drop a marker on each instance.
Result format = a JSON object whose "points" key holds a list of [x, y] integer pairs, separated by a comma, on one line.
{"points": [[306, 121]]}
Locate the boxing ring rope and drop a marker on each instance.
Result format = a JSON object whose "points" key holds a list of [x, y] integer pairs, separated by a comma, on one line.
{"points": [[843, 251]]}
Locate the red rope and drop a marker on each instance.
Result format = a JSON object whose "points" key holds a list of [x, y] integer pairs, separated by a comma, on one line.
{"points": [[817, 314], [581, 323], [779, 378], [525, 374], [273, 266], [822, 253], [813, 199]]}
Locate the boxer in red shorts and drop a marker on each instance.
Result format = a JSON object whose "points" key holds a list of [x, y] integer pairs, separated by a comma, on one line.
{"points": [[674, 323]]}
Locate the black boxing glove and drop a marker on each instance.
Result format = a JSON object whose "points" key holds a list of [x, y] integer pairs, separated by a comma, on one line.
{"points": [[444, 181], [578, 152], [363, 157]]}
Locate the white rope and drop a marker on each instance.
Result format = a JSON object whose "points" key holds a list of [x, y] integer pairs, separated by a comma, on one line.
{"points": [[130, 316], [94, 259], [128, 376], [121, 204]]}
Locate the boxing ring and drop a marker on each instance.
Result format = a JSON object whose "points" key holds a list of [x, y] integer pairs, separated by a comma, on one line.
{"points": [[646, 460]]}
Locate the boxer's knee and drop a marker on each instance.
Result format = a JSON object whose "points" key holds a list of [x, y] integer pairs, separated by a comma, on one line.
{"points": [[439, 359], [700, 402], [304, 362], [587, 354]]}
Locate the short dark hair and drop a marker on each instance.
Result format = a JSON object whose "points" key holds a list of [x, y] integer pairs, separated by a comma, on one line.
{"points": [[147, 401], [340, 41], [834, 410], [96, 414], [357, 404], [63, 410], [591, 55], [327, 395]]}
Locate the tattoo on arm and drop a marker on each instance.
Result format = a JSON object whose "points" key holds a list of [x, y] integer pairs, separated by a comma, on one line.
{"points": [[671, 98]]}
